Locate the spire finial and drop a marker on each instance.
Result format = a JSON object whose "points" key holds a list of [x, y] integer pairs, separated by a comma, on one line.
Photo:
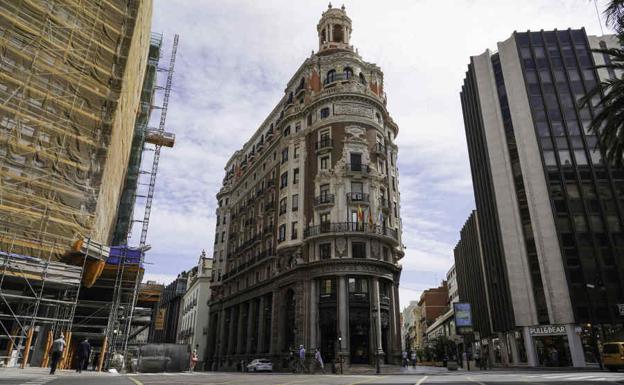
{"points": [[343, 7], [329, 6]]}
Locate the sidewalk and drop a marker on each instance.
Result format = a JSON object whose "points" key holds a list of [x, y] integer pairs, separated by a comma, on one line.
{"points": [[437, 370], [10, 373]]}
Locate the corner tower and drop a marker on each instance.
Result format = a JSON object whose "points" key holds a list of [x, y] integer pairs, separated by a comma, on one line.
{"points": [[334, 29], [308, 236]]}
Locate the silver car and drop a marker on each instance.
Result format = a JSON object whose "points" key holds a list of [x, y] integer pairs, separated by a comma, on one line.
{"points": [[260, 365]]}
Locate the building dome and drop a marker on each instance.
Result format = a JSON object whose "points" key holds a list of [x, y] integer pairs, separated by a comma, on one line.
{"points": [[334, 29]]}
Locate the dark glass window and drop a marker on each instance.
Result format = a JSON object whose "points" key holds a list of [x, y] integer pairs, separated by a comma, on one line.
{"points": [[358, 249], [324, 112], [325, 250]]}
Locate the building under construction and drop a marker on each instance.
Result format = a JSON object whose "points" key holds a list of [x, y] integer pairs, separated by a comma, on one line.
{"points": [[77, 81]]}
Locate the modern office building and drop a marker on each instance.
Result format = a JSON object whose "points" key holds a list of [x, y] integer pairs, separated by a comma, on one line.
{"points": [[70, 80], [549, 208], [308, 234]]}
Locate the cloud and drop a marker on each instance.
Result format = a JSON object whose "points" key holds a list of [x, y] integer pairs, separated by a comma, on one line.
{"points": [[234, 60]]}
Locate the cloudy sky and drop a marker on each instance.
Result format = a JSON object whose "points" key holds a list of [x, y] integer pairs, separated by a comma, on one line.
{"points": [[235, 58]]}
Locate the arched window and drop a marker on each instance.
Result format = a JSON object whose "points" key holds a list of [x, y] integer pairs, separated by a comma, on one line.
{"points": [[362, 78], [348, 73], [338, 35], [290, 98], [301, 85], [331, 77]]}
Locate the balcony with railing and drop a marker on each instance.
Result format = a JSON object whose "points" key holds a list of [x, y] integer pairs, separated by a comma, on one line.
{"points": [[350, 227], [324, 200], [339, 77], [379, 149], [324, 144], [357, 198], [357, 168]]}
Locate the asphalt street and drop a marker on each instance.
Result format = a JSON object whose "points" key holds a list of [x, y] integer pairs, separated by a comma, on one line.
{"points": [[456, 378]]}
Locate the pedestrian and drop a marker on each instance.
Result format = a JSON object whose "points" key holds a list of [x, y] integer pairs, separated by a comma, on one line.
{"points": [[194, 359], [413, 358], [58, 346], [96, 361], [319, 360], [83, 353], [483, 364], [477, 358], [302, 358], [404, 356], [465, 360]]}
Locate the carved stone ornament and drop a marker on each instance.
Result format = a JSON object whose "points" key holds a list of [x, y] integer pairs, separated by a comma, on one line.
{"points": [[353, 109], [341, 246], [375, 248]]}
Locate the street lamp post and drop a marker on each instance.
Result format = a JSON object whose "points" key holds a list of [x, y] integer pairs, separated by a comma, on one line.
{"points": [[340, 352], [592, 325]]}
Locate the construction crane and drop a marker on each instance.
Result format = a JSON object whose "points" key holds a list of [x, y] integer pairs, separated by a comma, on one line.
{"points": [[158, 138]]}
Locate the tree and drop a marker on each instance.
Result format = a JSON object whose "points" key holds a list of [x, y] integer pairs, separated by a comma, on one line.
{"points": [[608, 95]]}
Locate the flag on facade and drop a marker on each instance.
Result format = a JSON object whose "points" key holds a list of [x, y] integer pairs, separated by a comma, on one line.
{"points": [[360, 214], [370, 216]]}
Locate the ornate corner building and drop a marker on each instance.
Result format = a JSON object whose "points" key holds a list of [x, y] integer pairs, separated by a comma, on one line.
{"points": [[308, 233]]}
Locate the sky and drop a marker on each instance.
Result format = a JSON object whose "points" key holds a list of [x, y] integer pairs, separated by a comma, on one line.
{"points": [[234, 60]]}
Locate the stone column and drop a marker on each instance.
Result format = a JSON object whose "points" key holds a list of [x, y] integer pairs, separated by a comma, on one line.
{"points": [[343, 315], [377, 318], [239, 330], [313, 315], [529, 346], [232, 330], [261, 324], [576, 346], [275, 323], [513, 346], [330, 32], [395, 323], [221, 337], [251, 314]]}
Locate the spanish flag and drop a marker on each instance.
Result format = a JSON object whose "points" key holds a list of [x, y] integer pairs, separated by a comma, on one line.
{"points": [[360, 214], [370, 216]]}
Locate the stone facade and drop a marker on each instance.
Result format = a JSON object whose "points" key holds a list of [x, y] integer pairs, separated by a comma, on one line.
{"points": [[308, 234]]}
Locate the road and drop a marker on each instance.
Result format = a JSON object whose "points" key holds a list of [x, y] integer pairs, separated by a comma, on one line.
{"points": [[456, 378]]}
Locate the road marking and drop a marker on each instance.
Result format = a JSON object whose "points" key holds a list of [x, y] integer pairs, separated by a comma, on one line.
{"points": [[422, 380], [137, 382]]}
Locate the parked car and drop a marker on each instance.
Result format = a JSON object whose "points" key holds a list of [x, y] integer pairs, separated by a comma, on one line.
{"points": [[613, 355], [260, 365]]}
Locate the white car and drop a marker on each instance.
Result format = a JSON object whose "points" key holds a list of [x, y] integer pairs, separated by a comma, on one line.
{"points": [[260, 364]]}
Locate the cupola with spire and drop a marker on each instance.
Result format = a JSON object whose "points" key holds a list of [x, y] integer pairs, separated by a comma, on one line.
{"points": [[334, 29]]}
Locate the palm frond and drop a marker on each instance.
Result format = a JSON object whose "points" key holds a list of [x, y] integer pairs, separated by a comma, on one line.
{"points": [[608, 122], [614, 14]]}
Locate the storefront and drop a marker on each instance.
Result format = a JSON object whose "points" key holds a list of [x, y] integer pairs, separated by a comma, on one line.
{"points": [[555, 345]]}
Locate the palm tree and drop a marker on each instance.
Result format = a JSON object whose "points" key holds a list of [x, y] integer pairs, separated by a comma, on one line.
{"points": [[608, 123]]}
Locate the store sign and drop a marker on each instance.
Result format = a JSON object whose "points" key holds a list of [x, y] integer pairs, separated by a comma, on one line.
{"points": [[547, 330], [620, 308], [463, 317]]}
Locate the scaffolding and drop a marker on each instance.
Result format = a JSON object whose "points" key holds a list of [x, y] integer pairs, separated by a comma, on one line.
{"points": [[64, 111], [37, 298], [61, 70], [123, 324]]}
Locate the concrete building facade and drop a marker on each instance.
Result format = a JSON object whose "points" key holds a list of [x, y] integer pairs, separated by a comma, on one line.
{"points": [[549, 208], [308, 234]]}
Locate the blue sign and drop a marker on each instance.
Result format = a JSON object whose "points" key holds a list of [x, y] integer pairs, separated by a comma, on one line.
{"points": [[463, 315]]}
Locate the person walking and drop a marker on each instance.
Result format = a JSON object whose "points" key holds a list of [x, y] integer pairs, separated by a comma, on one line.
{"points": [[404, 356], [58, 346], [83, 353], [195, 358], [413, 357], [302, 358], [477, 358], [319, 360]]}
